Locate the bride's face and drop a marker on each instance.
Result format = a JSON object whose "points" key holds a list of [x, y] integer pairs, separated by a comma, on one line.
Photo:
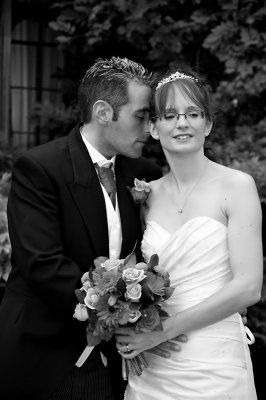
{"points": [[183, 126]]}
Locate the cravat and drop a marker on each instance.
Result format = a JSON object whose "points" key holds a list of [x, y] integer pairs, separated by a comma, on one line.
{"points": [[107, 179]]}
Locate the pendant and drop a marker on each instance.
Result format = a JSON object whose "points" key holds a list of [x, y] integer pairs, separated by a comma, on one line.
{"points": [[180, 210]]}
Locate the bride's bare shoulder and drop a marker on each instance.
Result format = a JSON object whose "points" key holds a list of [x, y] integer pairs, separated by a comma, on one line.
{"points": [[233, 177], [157, 184], [235, 185]]}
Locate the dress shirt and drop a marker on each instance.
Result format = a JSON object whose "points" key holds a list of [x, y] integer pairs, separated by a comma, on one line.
{"points": [[113, 216]]}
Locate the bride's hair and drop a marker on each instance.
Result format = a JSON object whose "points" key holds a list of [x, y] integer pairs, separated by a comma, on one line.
{"points": [[194, 87]]}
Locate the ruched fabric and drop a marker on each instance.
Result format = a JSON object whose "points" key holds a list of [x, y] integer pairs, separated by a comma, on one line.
{"points": [[215, 363]]}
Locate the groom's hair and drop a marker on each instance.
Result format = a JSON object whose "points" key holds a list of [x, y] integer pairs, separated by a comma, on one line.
{"points": [[107, 79]]}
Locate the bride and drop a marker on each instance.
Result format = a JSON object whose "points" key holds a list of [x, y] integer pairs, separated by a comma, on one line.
{"points": [[204, 221]]}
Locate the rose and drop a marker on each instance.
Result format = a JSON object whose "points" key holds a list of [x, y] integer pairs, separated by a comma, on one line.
{"points": [[133, 292], [133, 275], [86, 282], [109, 265], [91, 298], [85, 277], [81, 312], [87, 285], [142, 265], [134, 316], [142, 185], [140, 192], [149, 321], [112, 299]]}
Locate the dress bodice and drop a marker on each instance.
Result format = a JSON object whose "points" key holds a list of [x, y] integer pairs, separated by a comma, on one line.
{"points": [[195, 255]]}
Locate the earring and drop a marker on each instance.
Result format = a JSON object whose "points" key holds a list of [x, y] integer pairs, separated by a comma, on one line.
{"points": [[156, 137]]}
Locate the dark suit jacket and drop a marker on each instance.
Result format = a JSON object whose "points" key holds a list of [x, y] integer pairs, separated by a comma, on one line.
{"points": [[57, 226]]}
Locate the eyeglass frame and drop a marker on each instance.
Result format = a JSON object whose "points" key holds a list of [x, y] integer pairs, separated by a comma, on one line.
{"points": [[202, 114]]}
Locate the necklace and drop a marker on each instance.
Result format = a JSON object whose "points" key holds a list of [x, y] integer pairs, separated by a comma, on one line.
{"points": [[181, 208]]}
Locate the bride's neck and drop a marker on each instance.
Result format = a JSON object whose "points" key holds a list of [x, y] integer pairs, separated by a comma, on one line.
{"points": [[187, 170]]}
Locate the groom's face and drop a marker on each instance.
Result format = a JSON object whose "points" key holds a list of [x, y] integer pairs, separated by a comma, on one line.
{"points": [[128, 135]]}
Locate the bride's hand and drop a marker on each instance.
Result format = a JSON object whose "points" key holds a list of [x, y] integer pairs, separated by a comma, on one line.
{"points": [[243, 314], [129, 343]]}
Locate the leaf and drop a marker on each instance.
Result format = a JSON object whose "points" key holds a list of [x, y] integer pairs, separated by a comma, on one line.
{"points": [[130, 260], [91, 274], [168, 292], [146, 294], [155, 283], [135, 307], [121, 286], [54, 25], [154, 261], [80, 295], [163, 314]]}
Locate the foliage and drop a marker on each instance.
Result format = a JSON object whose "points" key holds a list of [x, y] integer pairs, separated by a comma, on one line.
{"points": [[54, 121], [224, 39], [247, 152], [5, 247], [6, 159]]}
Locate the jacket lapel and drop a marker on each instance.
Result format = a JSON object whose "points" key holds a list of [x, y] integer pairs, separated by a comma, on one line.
{"points": [[129, 213], [87, 194]]}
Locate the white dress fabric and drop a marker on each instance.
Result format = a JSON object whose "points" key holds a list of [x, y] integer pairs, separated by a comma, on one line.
{"points": [[215, 363]]}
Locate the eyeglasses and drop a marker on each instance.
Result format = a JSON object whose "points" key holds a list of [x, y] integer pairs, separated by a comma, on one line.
{"points": [[191, 116]]}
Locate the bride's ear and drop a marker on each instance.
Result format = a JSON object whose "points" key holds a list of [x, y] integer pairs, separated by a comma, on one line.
{"points": [[153, 130], [208, 128]]}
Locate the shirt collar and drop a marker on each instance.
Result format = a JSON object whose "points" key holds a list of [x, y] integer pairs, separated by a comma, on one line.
{"points": [[97, 158]]}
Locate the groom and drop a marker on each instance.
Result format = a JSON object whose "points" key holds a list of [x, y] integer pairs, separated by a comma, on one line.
{"points": [[60, 219]]}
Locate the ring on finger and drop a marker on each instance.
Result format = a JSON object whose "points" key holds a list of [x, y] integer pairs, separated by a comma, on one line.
{"points": [[128, 349]]}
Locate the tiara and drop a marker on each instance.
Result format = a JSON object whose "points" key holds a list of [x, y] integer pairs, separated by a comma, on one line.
{"points": [[174, 77]]}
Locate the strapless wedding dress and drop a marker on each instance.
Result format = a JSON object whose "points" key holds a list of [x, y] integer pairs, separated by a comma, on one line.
{"points": [[215, 363]]}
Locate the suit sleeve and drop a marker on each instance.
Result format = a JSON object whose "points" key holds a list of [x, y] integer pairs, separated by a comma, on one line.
{"points": [[35, 234]]}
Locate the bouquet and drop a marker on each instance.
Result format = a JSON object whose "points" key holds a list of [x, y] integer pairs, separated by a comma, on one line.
{"points": [[123, 293]]}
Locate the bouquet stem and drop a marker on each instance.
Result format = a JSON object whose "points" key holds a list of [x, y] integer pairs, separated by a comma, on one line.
{"points": [[134, 366]]}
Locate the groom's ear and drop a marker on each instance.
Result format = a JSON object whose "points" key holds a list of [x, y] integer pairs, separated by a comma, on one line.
{"points": [[102, 112]]}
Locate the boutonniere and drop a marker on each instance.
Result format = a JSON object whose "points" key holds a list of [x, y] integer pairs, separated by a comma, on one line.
{"points": [[140, 191]]}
